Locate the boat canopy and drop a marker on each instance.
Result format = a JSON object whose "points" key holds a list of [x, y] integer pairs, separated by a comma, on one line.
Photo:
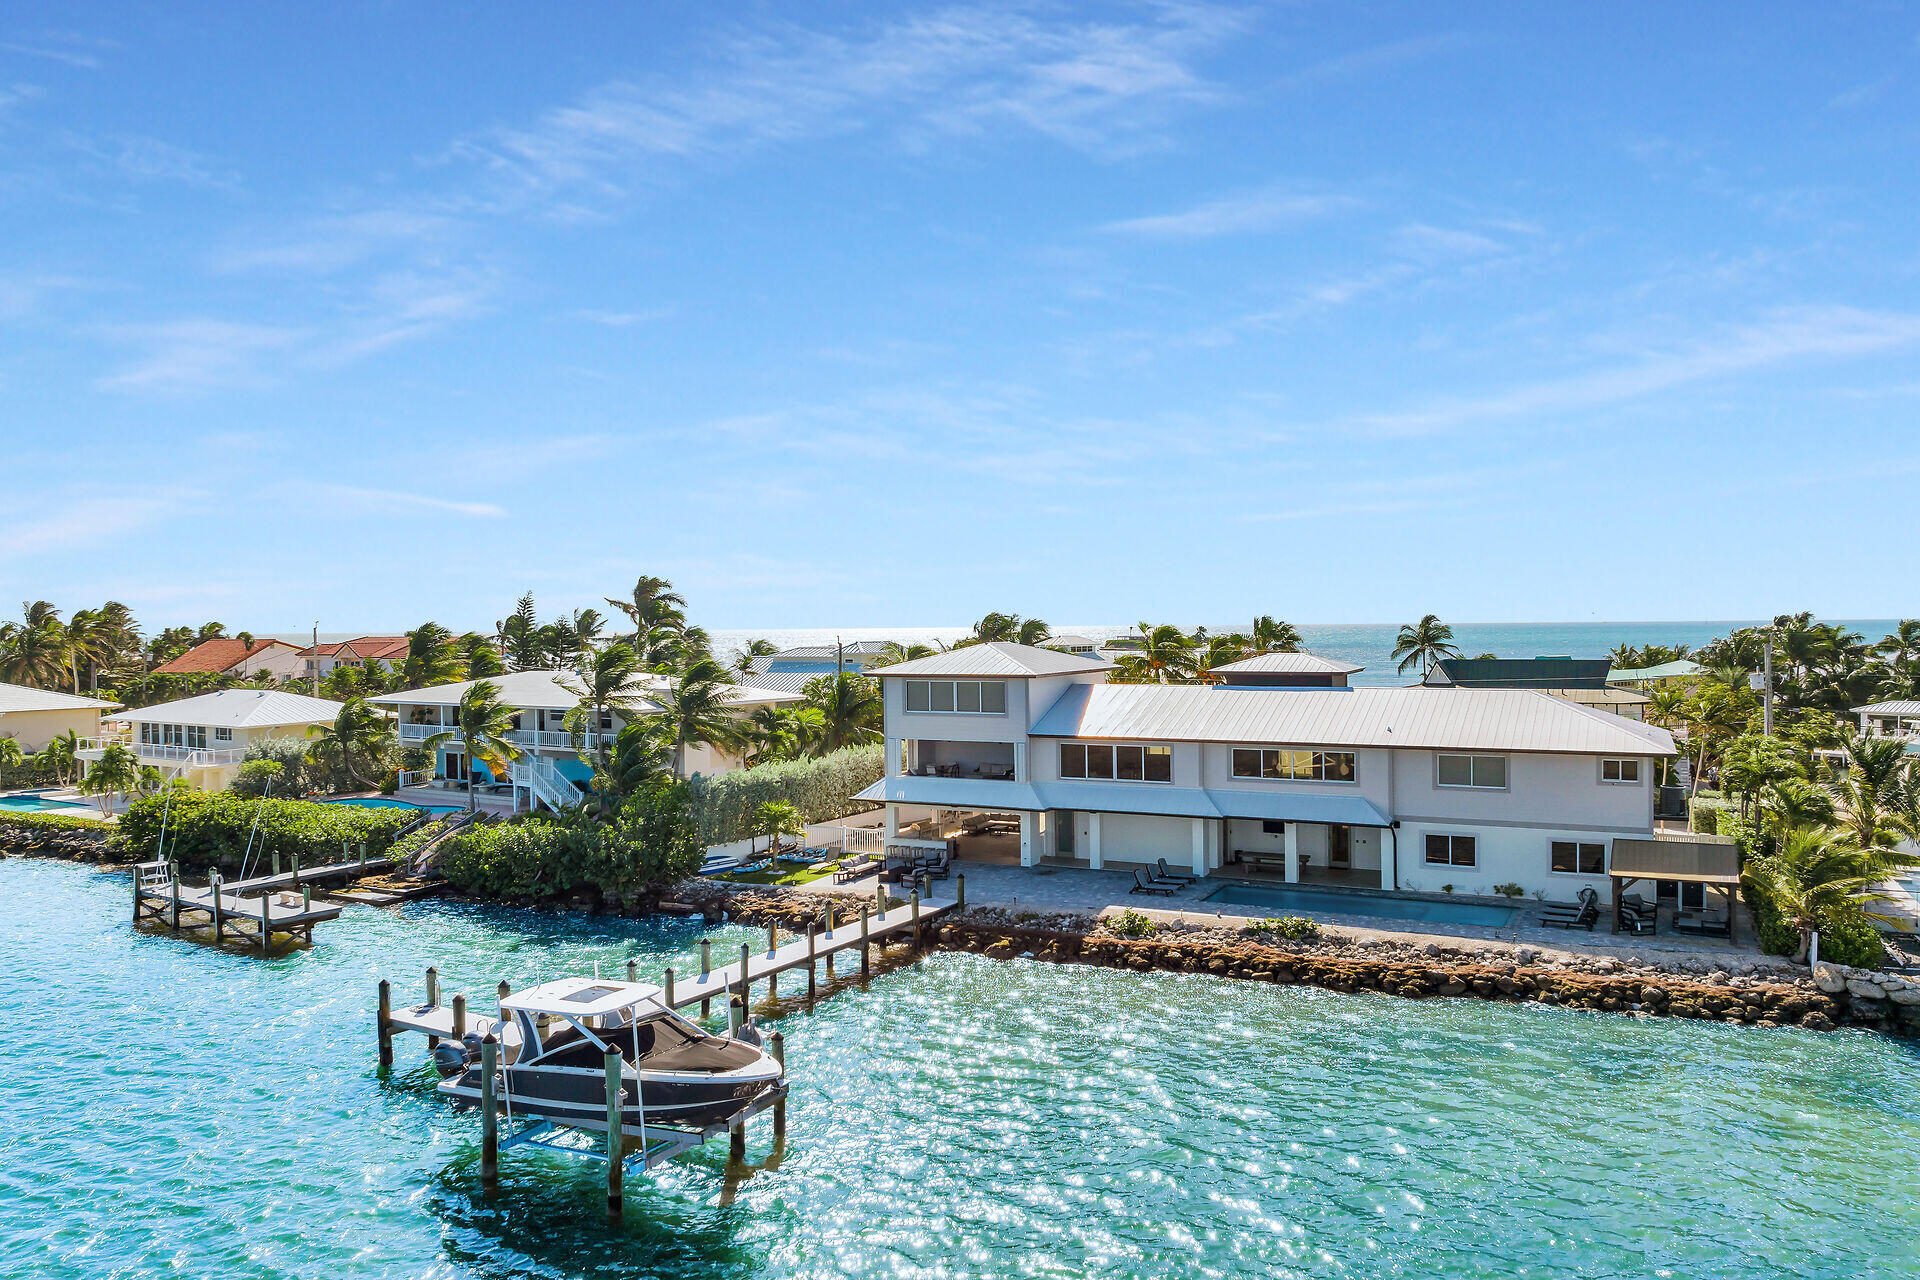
{"points": [[573, 998]]}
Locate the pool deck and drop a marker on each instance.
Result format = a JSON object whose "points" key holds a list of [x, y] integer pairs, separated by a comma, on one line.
{"points": [[1084, 892]]}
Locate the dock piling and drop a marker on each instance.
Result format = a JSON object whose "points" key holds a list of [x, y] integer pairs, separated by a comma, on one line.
{"points": [[296, 866], [669, 986], [266, 921], [505, 990], [363, 853], [777, 1046], [276, 862], [433, 1001], [460, 1019], [489, 1118], [960, 891], [813, 964], [306, 900], [866, 945], [746, 985], [615, 1165], [219, 925], [386, 1023], [736, 1014], [175, 920], [706, 968], [633, 971]]}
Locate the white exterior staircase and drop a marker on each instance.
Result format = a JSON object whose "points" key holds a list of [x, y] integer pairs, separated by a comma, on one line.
{"points": [[543, 778]]}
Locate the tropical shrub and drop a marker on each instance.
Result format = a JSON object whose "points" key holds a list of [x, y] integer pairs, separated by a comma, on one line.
{"points": [[1707, 813], [297, 777], [726, 808], [254, 777], [651, 841], [1131, 924], [1292, 928], [212, 828], [1846, 935]]}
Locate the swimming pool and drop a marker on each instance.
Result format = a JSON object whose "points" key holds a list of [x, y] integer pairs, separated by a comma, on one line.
{"points": [[381, 802], [1298, 899], [30, 802]]}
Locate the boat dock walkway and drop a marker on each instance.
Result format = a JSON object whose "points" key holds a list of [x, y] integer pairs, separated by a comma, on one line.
{"points": [[281, 902]]}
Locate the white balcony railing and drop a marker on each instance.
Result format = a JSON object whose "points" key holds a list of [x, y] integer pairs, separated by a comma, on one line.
{"points": [[153, 752], [519, 737]]}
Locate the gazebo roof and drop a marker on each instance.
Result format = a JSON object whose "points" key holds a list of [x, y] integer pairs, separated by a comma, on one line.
{"points": [[1697, 861]]}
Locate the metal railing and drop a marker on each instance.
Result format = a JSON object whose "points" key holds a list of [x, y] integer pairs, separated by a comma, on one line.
{"points": [[198, 757], [519, 737]]}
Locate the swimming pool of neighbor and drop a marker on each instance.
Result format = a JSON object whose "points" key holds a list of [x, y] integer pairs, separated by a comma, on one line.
{"points": [[381, 802], [30, 802], [1295, 898]]}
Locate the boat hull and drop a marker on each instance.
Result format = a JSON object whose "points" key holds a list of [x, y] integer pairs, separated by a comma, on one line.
{"points": [[568, 1097]]}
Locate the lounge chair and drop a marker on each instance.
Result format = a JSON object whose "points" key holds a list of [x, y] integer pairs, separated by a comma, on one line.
{"points": [[853, 868], [1583, 914], [1701, 922], [1141, 884], [1638, 919], [1172, 877]]}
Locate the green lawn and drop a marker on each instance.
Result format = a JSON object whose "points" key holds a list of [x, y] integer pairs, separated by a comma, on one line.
{"points": [[780, 875]]}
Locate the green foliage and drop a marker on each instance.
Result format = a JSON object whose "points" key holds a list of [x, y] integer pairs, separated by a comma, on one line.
{"points": [[20, 827], [253, 777], [651, 841], [725, 807], [1509, 890], [297, 776], [1706, 813], [1131, 924], [210, 828], [1292, 928], [1849, 938]]}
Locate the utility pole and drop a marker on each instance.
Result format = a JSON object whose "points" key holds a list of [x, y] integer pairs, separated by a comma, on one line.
{"points": [[839, 657], [1767, 714], [314, 658]]}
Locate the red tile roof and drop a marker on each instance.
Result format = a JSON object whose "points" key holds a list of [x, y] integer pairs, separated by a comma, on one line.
{"points": [[223, 654], [379, 648]]}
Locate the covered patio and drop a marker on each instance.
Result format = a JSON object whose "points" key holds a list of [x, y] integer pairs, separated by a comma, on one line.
{"points": [[1704, 864]]}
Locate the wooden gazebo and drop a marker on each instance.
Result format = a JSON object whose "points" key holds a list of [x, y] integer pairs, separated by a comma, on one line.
{"points": [[1695, 860]]}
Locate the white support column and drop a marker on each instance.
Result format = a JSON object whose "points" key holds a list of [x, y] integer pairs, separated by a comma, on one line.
{"points": [[1020, 761], [895, 763], [1200, 846], [1388, 845], [1293, 852], [893, 821], [1093, 841], [1029, 836]]}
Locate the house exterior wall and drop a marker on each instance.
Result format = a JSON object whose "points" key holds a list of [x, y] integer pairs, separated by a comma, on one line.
{"points": [[279, 661], [33, 730], [1542, 790]]}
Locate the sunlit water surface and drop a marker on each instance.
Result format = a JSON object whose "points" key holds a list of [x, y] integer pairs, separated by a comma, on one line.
{"points": [[175, 1109]]}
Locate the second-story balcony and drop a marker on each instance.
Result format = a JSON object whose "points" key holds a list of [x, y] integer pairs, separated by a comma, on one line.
{"points": [[932, 758], [554, 739], [155, 753]]}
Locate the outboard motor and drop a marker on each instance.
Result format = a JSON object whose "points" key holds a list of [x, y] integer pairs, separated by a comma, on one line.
{"points": [[451, 1058]]}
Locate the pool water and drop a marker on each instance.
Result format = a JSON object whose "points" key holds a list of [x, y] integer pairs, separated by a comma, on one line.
{"points": [[1305, 901], [30, 803], [202, 1112], [381, 802]]}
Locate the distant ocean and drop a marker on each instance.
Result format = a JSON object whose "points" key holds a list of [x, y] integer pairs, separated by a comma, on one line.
{"points": [[1368, 644]]}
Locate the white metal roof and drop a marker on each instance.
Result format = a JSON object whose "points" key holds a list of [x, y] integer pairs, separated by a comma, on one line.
{"points": [[1290, 663], [1279, 804], [237, 709], [1417, 718], [559, 691], [1902, 707], [23, 697], [580, 997], [997, 660]]}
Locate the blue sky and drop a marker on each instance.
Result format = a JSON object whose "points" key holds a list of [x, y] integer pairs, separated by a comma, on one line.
{"points": [[845, 315]]}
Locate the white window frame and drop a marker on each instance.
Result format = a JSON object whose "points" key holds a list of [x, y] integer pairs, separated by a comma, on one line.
{"points": [[1354, 781], [1506, 770], [223, 735], [1632, 762], [1426, 854], [1577, 846], [953, 696]]}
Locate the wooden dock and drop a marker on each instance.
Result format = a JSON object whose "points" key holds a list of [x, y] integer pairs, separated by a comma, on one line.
{"points": [[256, 908]]}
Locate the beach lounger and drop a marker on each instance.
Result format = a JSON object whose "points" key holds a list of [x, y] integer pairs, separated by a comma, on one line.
{"points": [[1167, 876], [1141, 884], [1637, 920], [1582, 914]]}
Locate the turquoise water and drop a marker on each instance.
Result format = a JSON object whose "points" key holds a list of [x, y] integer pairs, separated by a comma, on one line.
{"points": [[1307, 901], [381, 802], [35, 804], [177, 1110]]}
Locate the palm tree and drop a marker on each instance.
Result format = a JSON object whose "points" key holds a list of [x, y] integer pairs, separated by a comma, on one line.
{"points": [[1813, 872], [1166, 654], [34, 651], [894, 652], [850, 711], [481, 657], [743, 660], [481, 726], [603, 688], [116, 770], [653, 604], [1795, 802], [1876, 771], [433, 657], [357, 733], [61, 755], [11, 757], [1423, 643], [696, 709], [1270, 635], [1221, 650], [641, 754]]}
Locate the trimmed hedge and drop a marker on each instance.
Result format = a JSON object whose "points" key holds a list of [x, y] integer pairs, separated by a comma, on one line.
{"points": [[650, 842], [725, 807], [1707, 813], [211, 828]]}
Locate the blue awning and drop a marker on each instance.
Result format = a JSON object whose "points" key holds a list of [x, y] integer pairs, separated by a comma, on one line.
{"points": [[953, 793], [1129, 797]]}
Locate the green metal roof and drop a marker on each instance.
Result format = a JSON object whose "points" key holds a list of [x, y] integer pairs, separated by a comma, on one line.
{"points": [[1665, 671]]}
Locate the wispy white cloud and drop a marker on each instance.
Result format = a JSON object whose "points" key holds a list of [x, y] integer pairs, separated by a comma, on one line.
{"points": [[1239, 214], [196, 355], [68, 57], [78, 519], [389, 499], [1376, 58], [333, 243], [145, 159], [1783, 337], [1422, 240], [622, 319]]}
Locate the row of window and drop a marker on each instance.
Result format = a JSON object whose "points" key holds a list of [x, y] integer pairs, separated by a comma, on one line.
{"points": [[192, 736], [1119, 763], [964, 697], [1295, 766], [1572, 857]]}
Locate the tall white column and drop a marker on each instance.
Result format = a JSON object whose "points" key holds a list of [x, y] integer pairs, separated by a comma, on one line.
{"points": [[1029, 836], [1384, 839], [895, 764], [1293, 853], [1093, 841], [893, 821], [1200, 846], [1020, 761]]}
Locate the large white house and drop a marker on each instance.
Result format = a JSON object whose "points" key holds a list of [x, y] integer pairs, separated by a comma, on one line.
{"points": [[34, 717], [549, 769], [204, 739], [1383, 788]]}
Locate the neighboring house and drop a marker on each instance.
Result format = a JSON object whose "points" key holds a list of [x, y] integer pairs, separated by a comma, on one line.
{"points": [[550, 770], [1679, 669], [1578, 680], [319, 661], [1384, 789], [204, 739], [1284, 671], [230, 656], [790, 670], [34, 717], [1080, 645], [1898, 719]]}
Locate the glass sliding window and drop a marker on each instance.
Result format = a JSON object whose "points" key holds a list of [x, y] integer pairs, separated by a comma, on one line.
{"points": [[1451, 851], [966, 696], [1159, 764], [917, 696], [1574, 858], [1099, 761], [1294, 766], [1489, 772], [1619, 771], [1129, 764], [993, 697], [942, 695], [1246, 762], [1073, 760], [1334, 766]]}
